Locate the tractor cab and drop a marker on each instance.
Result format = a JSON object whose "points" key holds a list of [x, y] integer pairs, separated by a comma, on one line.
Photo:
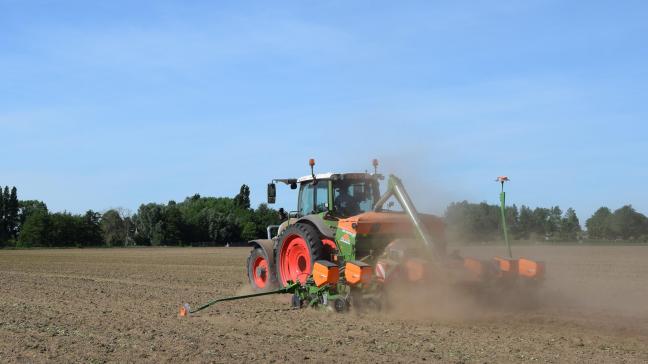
{"points": [[338, 195]]}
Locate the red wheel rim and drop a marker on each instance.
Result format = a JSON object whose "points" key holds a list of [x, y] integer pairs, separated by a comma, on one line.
{"points": [[294, 260], [260, 272]]}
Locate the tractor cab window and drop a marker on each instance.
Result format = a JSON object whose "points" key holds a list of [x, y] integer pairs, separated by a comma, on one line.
{"points": [[313, 198], [353, 197]]}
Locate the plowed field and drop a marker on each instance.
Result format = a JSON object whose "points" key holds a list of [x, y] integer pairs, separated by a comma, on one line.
{"points": [[120, 305]]}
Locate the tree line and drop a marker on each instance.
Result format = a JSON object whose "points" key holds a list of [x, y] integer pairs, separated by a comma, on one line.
{"points": [[220, 220], [622, 224], [195, 221], [471, 222]]}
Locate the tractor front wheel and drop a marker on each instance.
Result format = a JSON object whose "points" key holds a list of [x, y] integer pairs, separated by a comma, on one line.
{"points": [[260, 272]]}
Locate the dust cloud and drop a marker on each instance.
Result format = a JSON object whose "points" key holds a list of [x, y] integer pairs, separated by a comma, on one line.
{"points": [[602, 286]]}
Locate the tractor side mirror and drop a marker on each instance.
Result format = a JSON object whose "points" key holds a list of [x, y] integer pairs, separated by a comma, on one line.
{"points": [[272, 193], [293, 186]]}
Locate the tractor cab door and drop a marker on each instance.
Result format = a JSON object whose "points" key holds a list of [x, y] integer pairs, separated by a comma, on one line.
{"points": [[313, 199]]}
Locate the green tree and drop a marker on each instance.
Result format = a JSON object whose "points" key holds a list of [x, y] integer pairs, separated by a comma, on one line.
{"points": [[541, 222], [458, 222], [553, 223], [113, 228], [629, 224], [264, 217], [89, 229], [525, 223], [249, 231], [11, 213], [217, 223], [5, 198], [34, 231], [224, 228], [28, 207], [9, 222], [198, 214], [600, 225], [4, 233], [63, 230], [130, 230], [242, 200], [570, 228], [470, 222], [173, 225], [149, 224], [512, 220], [160, 225]]}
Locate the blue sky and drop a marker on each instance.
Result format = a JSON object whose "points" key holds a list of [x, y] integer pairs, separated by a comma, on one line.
{"points": [[111, 104]]}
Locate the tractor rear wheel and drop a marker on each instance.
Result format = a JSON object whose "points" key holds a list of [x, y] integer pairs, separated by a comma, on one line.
{"points": [[260, 272], [298, 247]]}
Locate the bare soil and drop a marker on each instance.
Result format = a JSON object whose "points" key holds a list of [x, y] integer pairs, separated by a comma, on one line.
{"points": [[120, 305]]}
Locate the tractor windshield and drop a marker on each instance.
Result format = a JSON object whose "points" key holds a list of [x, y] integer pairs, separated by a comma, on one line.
{"points": [[354, 196]]}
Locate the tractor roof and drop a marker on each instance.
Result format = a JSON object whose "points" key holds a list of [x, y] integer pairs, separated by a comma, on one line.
{"points": [[338, 176], [318, 176]]}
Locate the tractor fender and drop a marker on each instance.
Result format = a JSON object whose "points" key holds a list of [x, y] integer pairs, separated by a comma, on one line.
{"points": [[284, 225], [267, 245], [316, 221]]}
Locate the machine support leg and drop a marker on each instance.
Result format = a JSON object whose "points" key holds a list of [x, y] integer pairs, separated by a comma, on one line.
{"points": [[504, 229]]}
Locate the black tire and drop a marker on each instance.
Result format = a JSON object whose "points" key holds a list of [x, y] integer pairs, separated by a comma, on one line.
{"points": [[296, 301], [311, 236], [270, 274], [341, 305]]}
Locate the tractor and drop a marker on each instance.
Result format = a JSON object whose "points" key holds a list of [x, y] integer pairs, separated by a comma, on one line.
{"points": [[339, 218], [346, 244]]}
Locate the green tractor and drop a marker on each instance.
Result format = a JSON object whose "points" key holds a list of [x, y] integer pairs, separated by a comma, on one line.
{"points": [[344, 245], [332, 211]]}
